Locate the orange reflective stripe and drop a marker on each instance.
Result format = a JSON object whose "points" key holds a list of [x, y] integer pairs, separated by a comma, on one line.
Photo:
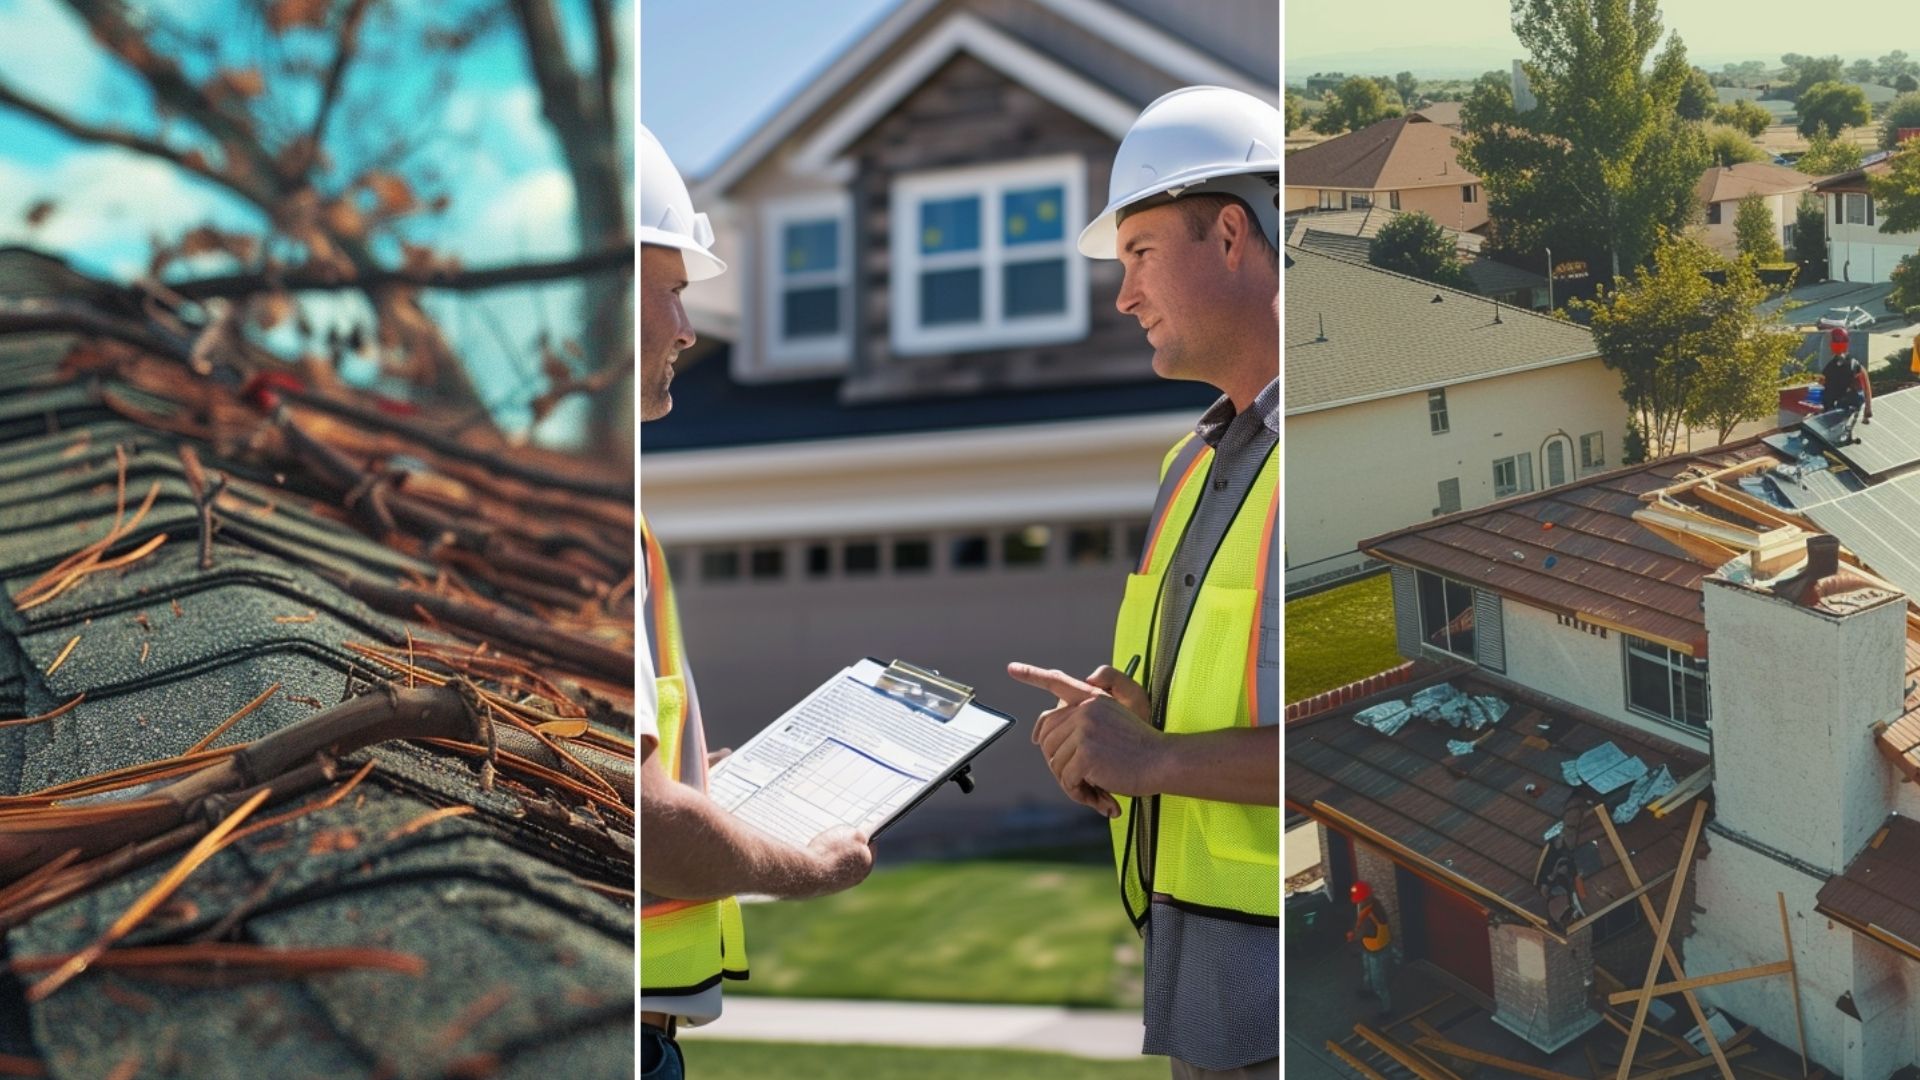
{"points": [[1169, 494], [668, 907], [664, 658], [1262, 580]]}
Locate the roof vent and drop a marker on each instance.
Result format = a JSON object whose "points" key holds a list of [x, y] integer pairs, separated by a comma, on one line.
{"points": [[1437, 298], [1824, 579]]}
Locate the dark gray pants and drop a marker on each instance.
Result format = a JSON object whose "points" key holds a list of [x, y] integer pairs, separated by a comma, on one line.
{"points": [[1259, 1070]]}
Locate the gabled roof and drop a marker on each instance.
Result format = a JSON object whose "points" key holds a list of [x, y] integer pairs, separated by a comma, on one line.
{"points": [[1723, 182], [1368, 223], [1385, 335], [1442, 112], [868, 58], [1489, 277], [1392, 155], [1856, 179]]}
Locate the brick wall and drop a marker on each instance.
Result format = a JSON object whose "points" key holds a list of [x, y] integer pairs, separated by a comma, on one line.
{"points": [[1541, 987], [1372, 866], [1353, 691]]}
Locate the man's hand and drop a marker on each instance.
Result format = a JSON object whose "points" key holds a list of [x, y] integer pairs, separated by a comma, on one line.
{"points": [[842, 859], [1091, 739]]}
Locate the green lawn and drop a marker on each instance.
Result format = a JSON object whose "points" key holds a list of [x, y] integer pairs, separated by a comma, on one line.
{"points": [[1338, 636], [711, 1060], [1009, 932]]}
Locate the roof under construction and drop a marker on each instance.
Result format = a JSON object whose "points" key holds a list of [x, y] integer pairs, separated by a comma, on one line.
{"points": [[320, 739]]}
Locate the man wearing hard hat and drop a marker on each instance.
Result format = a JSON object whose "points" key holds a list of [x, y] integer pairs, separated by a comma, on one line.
{"points": [[1186, 760], [694, 856], [1375, 935]]}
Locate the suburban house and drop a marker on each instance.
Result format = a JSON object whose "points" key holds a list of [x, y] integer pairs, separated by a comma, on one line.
{"points": [[915, 426], [1441, 112], [1441, 400], [1349, 234], [1856, 248], [1406, 163], [1703, 671], [1723, 186]]}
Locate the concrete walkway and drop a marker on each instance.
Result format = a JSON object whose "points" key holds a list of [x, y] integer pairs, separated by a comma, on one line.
{"points": [[1112, 1034]]}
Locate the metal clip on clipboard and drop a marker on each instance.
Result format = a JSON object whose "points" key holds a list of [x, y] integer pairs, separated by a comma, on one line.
{"points": [[929, 691]]}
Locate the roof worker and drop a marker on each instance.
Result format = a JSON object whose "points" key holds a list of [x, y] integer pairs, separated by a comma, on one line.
{"points": [[695, 856], [1844, 384], [1375, 935], [1186, 760]]}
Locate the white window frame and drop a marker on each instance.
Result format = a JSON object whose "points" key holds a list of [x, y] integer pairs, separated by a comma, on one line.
{"points": [[1597, 459], [1522, 464], [990, 183], [1437, 420], [1673, 663], [1847, 205], [1469, 193], [775, 216]]}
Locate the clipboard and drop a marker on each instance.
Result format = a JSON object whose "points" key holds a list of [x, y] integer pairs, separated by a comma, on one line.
{"points": [[863, 749]]}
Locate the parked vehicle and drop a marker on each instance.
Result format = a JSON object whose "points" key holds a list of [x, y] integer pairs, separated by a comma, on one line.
{"points": [[1846, 318]]}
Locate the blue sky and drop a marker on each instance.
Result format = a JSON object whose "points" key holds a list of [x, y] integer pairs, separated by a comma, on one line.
{"points": [[711, 70], [510, 195]]}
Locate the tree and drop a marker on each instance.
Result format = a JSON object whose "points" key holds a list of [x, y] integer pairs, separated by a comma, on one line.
{"points": [[1755, 231], [1830, 107], [1905, 296], [1826, 156], [1406, 86], [1353, 105], [1861, 71], [1896, 192], [1296, 113], [1805, 71], [1731, 146], [1744, 115], [1895, 66], [1415, 244], [1810, 238], [1745, 73], [1697, 98], [1604, 161], [1904, 112], [288, 117], [1688, 351], [1489, 102], [1906, 83]]}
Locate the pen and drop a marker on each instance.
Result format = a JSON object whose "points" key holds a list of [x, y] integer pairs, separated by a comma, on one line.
{"points": [[1133, 665]]}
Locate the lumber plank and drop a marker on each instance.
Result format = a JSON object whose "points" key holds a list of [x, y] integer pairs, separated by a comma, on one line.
{"points": [[1662, 935], [1793, 977], [1417, 1064], [1687, 1067], [1758, 971], [1441, 1045], [1352, 1062]]}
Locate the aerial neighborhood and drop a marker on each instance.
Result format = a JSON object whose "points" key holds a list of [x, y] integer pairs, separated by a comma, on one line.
{"points": [[1602, 409]]}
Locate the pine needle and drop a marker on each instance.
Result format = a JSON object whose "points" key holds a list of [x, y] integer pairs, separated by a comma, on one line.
{"points": [[207, 740]]}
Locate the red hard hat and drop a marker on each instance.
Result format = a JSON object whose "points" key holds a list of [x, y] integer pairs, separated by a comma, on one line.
{"points": [[1361, 892], [1838, 339]]}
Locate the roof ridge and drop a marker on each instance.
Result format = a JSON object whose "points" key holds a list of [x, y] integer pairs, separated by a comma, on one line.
{"points": [[1444, 288]]}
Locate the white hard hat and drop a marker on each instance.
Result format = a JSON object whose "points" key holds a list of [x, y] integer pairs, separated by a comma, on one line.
{"points": [[666, 212], [1198, 140]]}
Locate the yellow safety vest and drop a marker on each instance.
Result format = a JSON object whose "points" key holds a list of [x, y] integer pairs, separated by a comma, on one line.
{"points": [[1213, 858], [686, 946]]}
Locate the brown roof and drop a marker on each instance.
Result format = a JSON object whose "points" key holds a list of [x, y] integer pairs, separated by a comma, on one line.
{"points": [[1606, 567], [1470, 818], [1853, 179], [1392, 155], [1879, 895], [1900, 741], [1724, 182], [1442, 112]]}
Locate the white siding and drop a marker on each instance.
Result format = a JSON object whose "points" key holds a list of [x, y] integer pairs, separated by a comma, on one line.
{"points": [[1862, 252], [1578, 667]]}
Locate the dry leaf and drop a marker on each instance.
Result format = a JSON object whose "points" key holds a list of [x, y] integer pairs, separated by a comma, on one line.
{"points": [[392, 193], [284, 15], [342, 218]]}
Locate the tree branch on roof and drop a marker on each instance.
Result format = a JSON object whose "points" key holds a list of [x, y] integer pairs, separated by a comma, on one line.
{"points": [[310, 278]]}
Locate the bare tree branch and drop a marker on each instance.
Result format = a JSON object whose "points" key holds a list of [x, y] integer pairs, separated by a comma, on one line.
{"points": [[307, 279], [606, 60], [126, 140], [336, 75]]}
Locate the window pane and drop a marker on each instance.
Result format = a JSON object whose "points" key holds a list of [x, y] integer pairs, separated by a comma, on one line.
{"points": [[912, 556], [819, 560], [719, 565], [1089, 545], [970, 553], [1556, 464], [1450, 495], [1647, 687], [950, 296], [811, 245], [1459, 619], [950, 225], [1033, 216], [768, 562], [1026, 547], [863, 557], [811, 312], [1359, 202], [1437, 411], [1433, 609], [1036, 288], [1523, 470]]}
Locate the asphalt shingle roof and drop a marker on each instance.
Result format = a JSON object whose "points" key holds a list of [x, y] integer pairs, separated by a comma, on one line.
{"points": [[1723, 182], [1385, 335], [1404, 152]]}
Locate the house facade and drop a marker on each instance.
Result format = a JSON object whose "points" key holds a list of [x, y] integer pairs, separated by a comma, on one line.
{"points": [[1405, 163], [1857, 249], [1722, 188], [916, 426], [1439, 399], [1734, 628]]}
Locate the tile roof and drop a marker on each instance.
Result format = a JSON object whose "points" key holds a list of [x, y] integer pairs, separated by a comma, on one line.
{"points": [[1385, 335], [1471, 818], [496, 884], [1367, 223], [1723, 182], [1392, 155], [1577, 550], [1879, 893]]}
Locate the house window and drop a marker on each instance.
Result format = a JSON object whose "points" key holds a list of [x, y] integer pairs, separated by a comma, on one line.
{"points": [[970, 552], [1089, 545], [1856, 208], [1512, 475], [1446, 613], [1025, 547], [720, 564], [862, 558], [1449, 497], [1357, 201], [1786, 235], [1593, 452], [1666, 684], [914, 556], [1469, 193], [809, 279], [767, 563], [1713, 213], [1393, 200], [1437, 411], [1333, 200], [983, 258]]}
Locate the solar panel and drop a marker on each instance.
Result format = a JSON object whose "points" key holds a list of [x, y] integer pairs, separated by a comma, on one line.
{"points": [[1882, 526], [1811, 474], [1891, 442]]}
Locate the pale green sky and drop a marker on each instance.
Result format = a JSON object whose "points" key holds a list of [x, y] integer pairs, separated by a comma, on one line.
{"points": [[1715, 31]]}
